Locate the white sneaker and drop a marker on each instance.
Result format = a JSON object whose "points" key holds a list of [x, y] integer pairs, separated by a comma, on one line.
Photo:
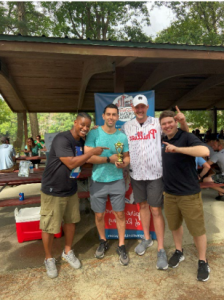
{"points": [[51, 267], [71, 259]]}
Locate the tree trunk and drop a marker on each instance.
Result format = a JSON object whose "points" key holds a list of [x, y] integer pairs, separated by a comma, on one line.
{"points": [[21, 11], [19, 136], [34, 124]]}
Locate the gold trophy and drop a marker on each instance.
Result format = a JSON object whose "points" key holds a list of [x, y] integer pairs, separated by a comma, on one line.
{"points": [[119, 149]]}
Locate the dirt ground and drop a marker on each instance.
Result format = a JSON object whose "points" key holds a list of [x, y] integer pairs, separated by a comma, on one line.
{"points": [[23, 275]]}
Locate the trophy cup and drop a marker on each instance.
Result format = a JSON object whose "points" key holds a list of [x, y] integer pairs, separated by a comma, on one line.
{"points": [[119, 149]]}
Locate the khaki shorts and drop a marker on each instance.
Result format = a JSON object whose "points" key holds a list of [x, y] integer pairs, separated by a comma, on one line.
{"points": [[54, 210], [189, 208]]}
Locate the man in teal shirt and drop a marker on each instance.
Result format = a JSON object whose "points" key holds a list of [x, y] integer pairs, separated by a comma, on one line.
{"points": [[107, 179]]}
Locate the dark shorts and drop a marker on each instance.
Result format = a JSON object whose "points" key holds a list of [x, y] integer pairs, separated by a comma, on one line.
{"points": [[148, 190], [99, 191], [189, 208]]}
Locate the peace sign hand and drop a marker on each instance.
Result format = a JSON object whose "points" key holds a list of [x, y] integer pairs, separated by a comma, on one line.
{"points": [[180, 117]]}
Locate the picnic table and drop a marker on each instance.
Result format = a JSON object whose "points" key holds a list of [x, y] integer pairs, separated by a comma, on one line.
{"points": [[24, 157], [13, 178]]}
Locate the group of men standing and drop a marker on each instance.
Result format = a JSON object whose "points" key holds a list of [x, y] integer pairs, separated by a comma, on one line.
{"points": [[154, 171]]}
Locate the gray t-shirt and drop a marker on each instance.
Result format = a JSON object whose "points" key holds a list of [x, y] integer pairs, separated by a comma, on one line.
{"points": [[212, 152], [218, 158], [56, 179]]}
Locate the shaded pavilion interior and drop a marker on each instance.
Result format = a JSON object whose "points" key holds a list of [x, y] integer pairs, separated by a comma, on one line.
{"points": [[40, 74]]}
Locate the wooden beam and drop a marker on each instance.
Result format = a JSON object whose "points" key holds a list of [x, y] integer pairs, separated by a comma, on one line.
{"points": [[204, 86], [7, 84], [169, 70], [115, 51], [216, 104], [119, 80], [124, 62], [91, 68]]}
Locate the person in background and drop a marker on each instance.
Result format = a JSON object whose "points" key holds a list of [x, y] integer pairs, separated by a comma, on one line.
{"points": [[7, 156], [33, 149], [220, 136], [208, 135], [218, 177], [200, 162], [211, 144], [40, 143], [197, 133]]}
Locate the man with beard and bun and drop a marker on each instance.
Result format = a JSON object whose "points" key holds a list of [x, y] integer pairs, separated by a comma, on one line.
{"points": [[182, 193], [59, 199], [144, 139]]}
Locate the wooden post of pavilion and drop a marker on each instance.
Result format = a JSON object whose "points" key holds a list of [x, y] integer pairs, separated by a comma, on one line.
{"points": [[25, 126]]}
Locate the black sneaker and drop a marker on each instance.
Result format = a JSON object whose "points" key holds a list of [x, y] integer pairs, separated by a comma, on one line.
{"points": [[203, 270], [103, 247], [121, 251], [176, 258]]}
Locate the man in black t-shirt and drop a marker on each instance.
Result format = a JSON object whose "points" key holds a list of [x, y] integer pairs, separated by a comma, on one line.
{"points": [[59, 200], [182, 197]]}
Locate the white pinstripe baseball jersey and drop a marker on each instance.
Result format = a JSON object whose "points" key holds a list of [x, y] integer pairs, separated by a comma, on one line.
{"points": [[144, 148]]}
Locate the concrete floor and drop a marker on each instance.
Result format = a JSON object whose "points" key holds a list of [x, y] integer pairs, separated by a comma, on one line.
{"points": [[23, 275]]}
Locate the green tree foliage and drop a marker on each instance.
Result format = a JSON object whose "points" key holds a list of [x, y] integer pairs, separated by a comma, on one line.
{"points": [[204, 119], [27, 18], [99, 20], [8, 121], [197, 23]]}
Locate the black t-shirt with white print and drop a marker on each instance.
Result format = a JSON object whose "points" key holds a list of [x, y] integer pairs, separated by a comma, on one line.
{"points": [[56, 179]]}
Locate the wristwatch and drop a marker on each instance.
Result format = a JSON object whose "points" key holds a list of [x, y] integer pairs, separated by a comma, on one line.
{"points": [[108, 159]]}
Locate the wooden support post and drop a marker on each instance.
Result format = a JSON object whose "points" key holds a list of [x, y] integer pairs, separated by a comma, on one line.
{"points": [[25, 126], [119, 80], [215, 120]]}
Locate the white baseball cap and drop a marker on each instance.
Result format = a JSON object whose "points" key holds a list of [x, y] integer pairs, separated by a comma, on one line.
{"points": [[140, 99]]}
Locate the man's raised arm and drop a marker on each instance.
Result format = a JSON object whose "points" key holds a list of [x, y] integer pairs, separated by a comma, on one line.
{"points": [[195, 151], [180, 118]]}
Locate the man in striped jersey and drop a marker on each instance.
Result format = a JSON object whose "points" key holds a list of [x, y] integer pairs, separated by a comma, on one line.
{"points": [[144, 138]]}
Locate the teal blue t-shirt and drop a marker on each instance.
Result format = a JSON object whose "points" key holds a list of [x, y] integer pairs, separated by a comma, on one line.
{"points": [[98, 138]]}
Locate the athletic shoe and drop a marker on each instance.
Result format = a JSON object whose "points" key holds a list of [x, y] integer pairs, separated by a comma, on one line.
{"points": [[161, 260], [121, 251], [203, 270], [51, 267], [176, 258], [141, 248], [103, 247], [71, 259]]}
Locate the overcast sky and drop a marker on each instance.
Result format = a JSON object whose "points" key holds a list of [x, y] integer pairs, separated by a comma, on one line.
{"points": [[160, 19]]}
